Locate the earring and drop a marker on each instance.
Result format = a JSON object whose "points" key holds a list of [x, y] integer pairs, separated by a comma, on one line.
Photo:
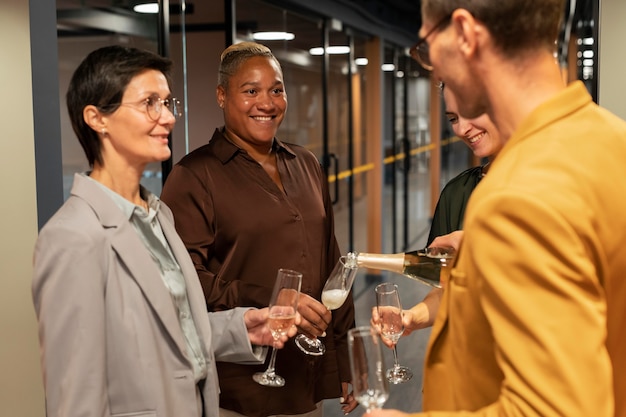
{"points": [[222, 105], [104, 132]]}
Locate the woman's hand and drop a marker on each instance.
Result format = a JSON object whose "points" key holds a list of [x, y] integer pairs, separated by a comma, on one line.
{"points": [[315, 316], [452, 240], [258, 332], [420, 316], [347, 400]]}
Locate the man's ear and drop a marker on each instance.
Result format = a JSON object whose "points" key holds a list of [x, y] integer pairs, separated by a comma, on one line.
{"points": [[94, 118], [470, 32]]}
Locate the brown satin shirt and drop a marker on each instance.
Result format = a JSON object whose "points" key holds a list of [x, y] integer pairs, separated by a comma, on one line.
{"points": [[239, 229]]}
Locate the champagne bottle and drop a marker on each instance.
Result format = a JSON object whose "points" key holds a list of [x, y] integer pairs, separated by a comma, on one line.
{"points": [[430, 266]]}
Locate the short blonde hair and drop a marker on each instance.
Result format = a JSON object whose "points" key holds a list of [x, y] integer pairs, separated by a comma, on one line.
{"points": [[236, 54]]}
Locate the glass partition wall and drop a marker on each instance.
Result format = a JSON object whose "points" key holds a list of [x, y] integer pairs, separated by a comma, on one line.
{"points": [[324, 70], [407, 172], [83, 26], [321, 81]]}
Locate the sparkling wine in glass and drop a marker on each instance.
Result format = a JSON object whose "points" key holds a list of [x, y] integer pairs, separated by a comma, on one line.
{"points": [[334, 294], [390, 316], [369, 382], [282, 315]]}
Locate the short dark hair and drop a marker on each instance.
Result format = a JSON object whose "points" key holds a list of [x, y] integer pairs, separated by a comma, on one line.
{"points": [[515, 25], [100, 80], [235, 55]]}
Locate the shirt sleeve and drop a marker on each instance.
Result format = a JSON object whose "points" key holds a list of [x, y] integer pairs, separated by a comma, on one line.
{"points": [[229, 338], [450, 209], [440, 224], [68, 293]]}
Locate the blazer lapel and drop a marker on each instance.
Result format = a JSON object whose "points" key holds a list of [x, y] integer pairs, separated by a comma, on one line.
{"points": [[134, 255], [144, 271]]}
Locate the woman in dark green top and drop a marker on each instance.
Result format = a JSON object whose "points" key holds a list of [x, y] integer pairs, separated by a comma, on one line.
{"points": [[482, 138], [452, 202]]}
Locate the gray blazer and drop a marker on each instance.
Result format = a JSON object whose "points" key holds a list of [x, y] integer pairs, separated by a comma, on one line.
{"points": [[111, 343]]}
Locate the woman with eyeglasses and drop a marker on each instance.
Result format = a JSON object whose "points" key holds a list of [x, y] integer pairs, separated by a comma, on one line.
{"points": [[123, 326]]}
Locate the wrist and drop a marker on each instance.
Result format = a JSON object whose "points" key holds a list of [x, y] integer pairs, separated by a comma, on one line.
{"points": [[420, 316]]}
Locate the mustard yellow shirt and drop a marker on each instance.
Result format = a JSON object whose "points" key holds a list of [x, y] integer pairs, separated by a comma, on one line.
{"points": [[533, 321]]}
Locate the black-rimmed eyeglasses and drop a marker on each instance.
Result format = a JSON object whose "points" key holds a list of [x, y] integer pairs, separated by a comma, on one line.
{"points": [[421, 51]]}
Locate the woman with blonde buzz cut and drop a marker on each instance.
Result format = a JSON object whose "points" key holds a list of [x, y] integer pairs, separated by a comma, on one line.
{"points": [[247, 204]]}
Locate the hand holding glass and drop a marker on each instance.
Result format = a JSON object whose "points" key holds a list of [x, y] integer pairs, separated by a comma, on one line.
{"points": [[366, 364], [334, 294], [390, 319], [282, 315]]}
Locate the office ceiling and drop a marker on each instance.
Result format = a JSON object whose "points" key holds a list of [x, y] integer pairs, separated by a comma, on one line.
{"points": [[395, 20]]}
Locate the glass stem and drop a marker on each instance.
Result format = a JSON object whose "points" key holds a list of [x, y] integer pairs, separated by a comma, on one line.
{"points": [[270, 368], [395, 357]]}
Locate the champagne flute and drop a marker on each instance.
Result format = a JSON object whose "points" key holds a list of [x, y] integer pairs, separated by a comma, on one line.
{"points": [[282, 315], [390, 314], [366, 364], [334, 294]]}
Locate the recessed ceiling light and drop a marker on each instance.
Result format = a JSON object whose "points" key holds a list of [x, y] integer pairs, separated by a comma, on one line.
{"points": [[388, 67], [331, 50], [151, 8], [361, 61], [273, 36]]}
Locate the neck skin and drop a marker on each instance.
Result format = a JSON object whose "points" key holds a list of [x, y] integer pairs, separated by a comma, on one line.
{"points": [[485, 167], [120, 177], [517, 87]]}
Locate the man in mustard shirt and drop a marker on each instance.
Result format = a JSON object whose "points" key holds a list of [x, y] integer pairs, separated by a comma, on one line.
{"points": [[533, 320]]}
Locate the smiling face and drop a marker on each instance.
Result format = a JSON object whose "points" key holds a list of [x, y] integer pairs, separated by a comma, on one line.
{"points": [[479, 133], [131, 135], [254, 102]]}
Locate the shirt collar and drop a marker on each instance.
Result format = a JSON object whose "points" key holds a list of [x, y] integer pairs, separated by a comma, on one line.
{"points": [[225, 150], [574, 97], [126, 206]]}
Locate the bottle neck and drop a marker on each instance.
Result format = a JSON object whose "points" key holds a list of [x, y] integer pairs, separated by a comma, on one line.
{"points": [[388, 262]]}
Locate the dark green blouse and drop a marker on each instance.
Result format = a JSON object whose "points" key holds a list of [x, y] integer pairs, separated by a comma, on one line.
{"points": [[450, 208]]}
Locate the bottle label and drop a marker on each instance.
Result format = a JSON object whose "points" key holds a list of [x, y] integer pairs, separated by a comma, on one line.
{"points": [[386, 262]]}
